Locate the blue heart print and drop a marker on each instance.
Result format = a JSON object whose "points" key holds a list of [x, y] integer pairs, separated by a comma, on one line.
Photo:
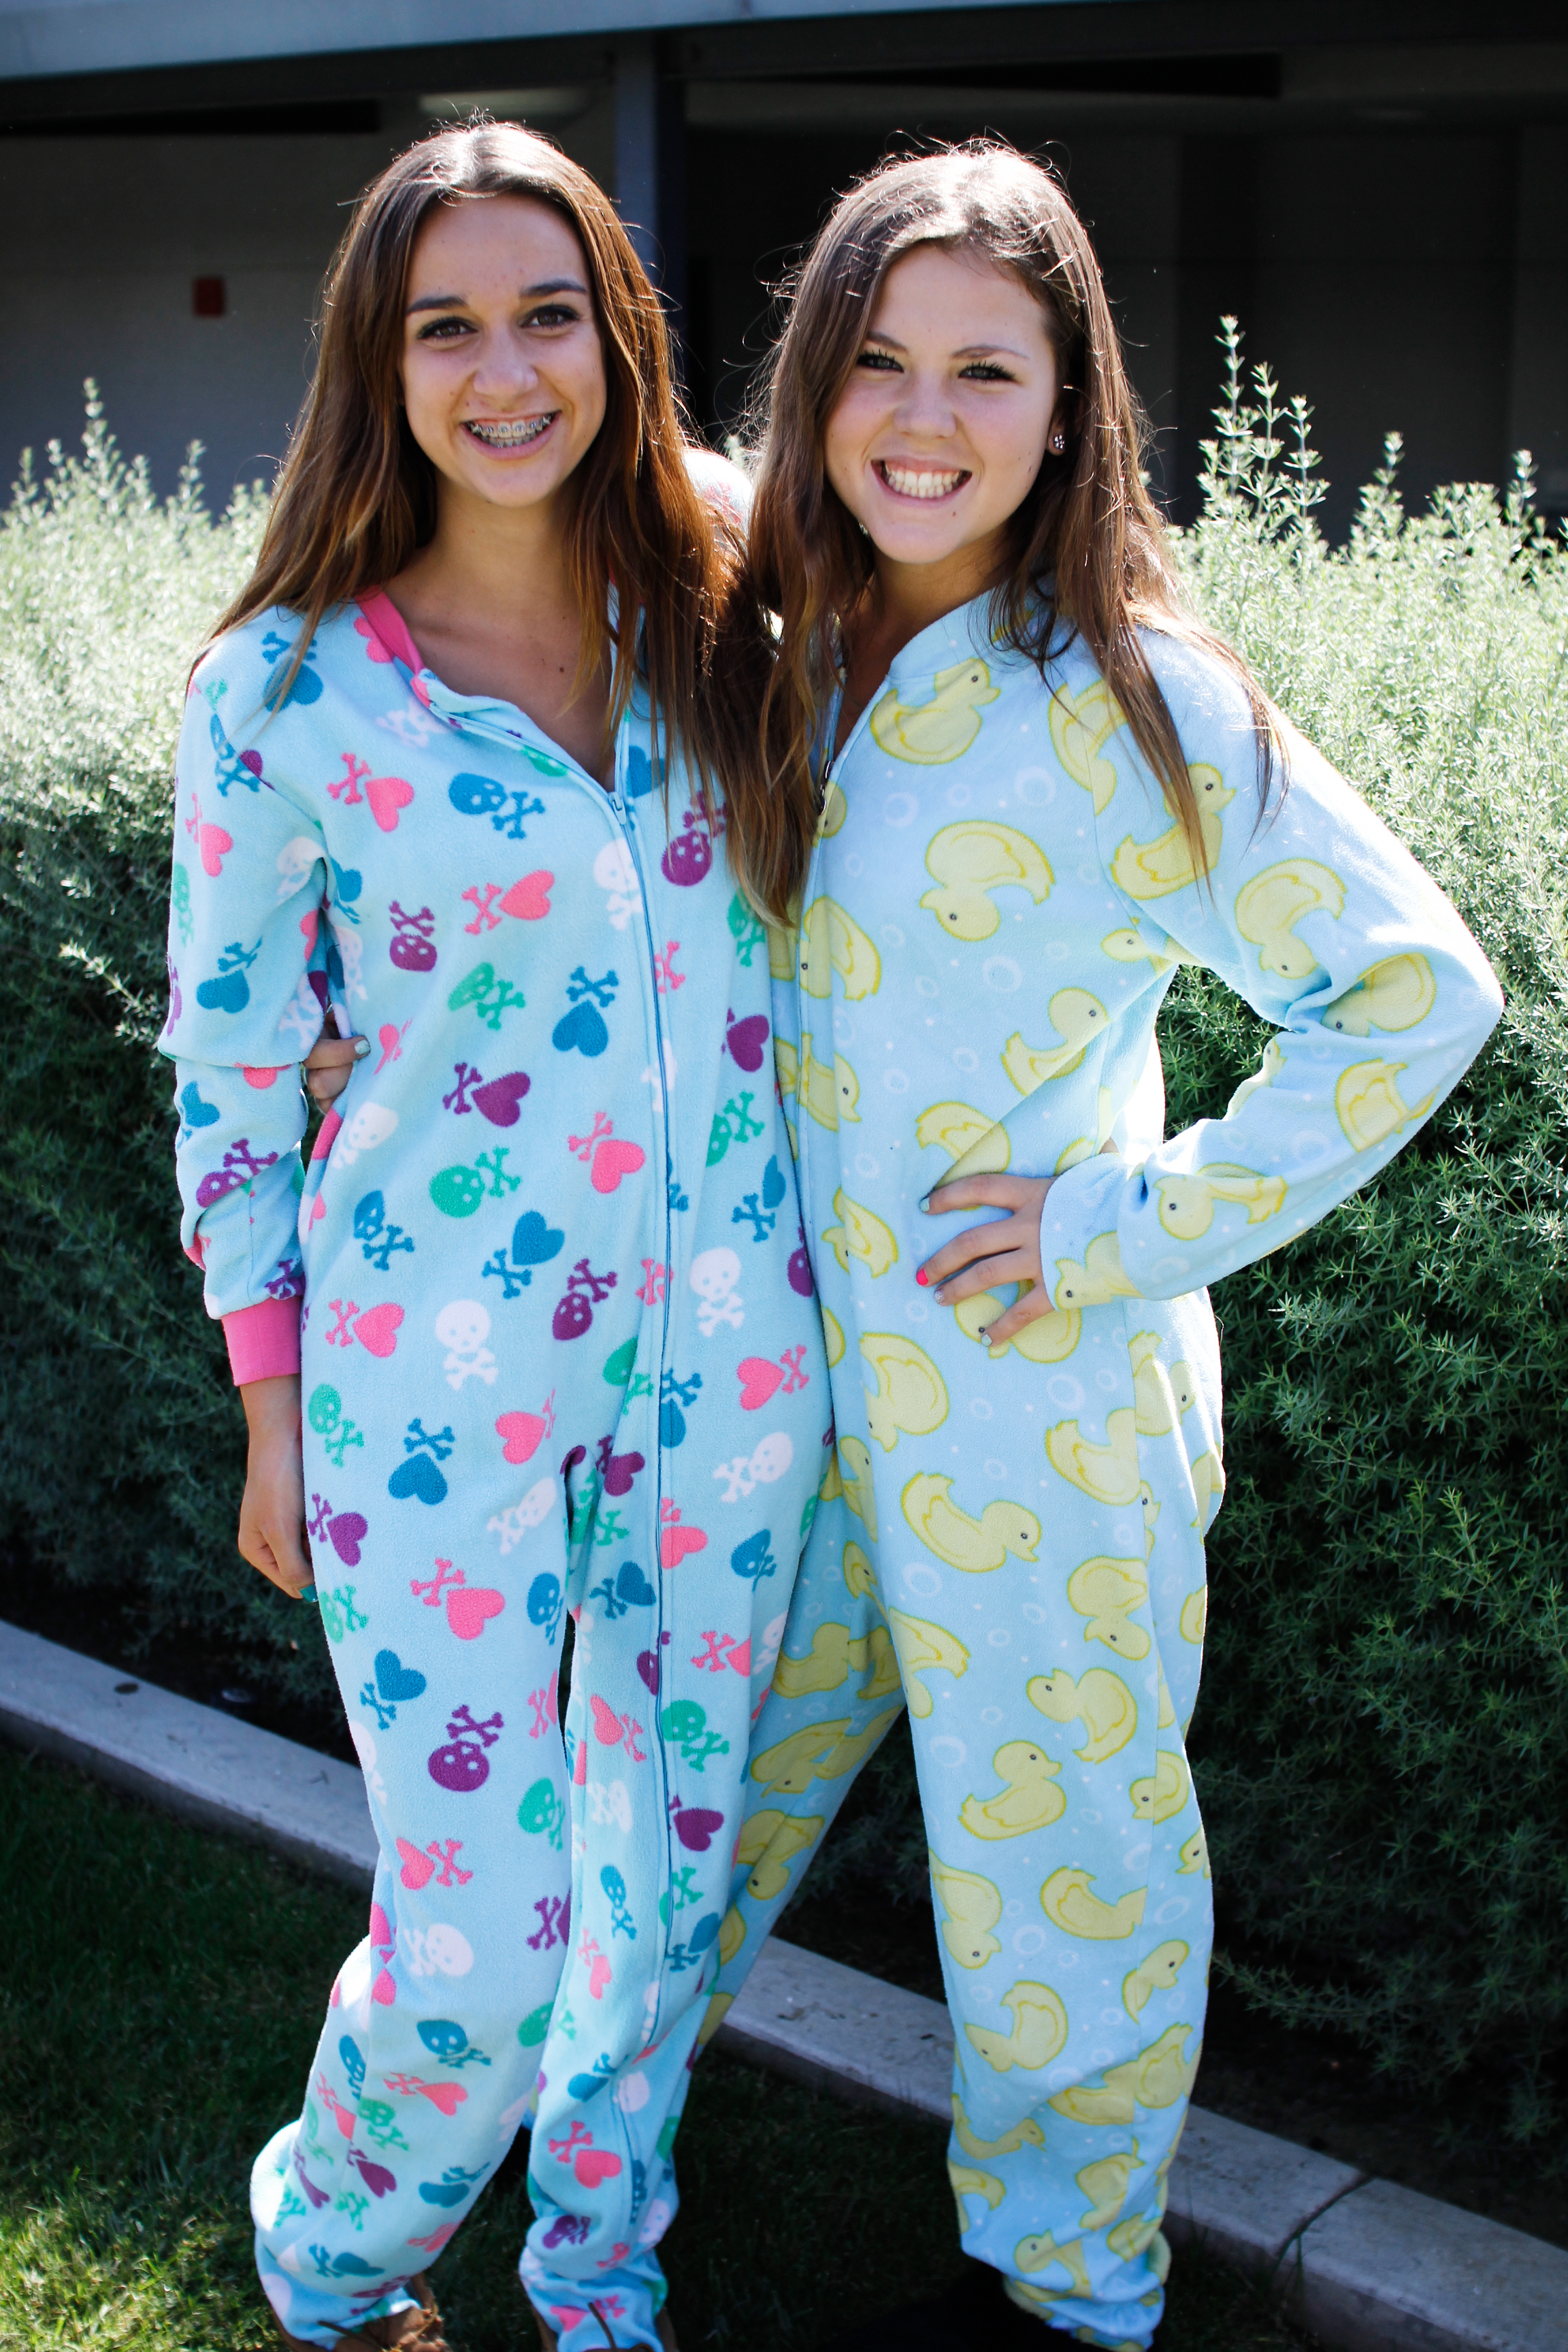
{"points": [[582, 1027], [476, 795], [639, 773], [228, 993], [633, 1587], [534, 1243], [417, 1476], [396, 1681], [772, 1185], [196, 1112]]}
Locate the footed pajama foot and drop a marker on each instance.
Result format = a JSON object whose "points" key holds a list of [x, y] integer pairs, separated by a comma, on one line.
{"points": [[414, 2328], [550, 2341]]}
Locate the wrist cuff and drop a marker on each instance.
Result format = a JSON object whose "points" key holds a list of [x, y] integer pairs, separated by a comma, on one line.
{"points": [[263, 1340]]}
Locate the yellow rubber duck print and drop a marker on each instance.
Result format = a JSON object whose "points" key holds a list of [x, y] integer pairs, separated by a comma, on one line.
{"points": [[781, 946], [731, 1936], [834, 1654], [770, 1841], [1208, 1489], [1079, 1019], [1050, 1339], [910, 1394], [862, 1235], [835, 809], [1188, 1202], [1026, 2133], [1082, 724], [1160, 1399], [976, 1145], [1193, 1859], [713, 2017], [1037, 2253], [973, 1907], [859, 1493], [859, 1577], [967, 2182], [1158, 1973], [831, 941], [1105, 2183], [1266, 1073], [1098, 1699], [1153, 869], [1129, 2237], [1157, 2077], [1193, 1623], [967, 862], [830, 1095], [1161, 1797], [922, 1649], [1269, 908], [1131, 946], [1395, 994], [1107, 1591], [1029, 1800], [974, 1545], [1370, 1106], [1039, 2029], [818, 1751], [833, 1335], [1108, 1473], [1066, 1900], [1100, 1278], [932, 733]]}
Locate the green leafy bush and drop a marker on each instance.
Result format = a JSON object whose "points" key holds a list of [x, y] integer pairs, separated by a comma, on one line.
{"points": [[1382, 1744]]}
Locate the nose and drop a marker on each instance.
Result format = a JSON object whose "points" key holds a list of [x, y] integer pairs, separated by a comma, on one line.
{"points": [[925, 407], [505, 369]]}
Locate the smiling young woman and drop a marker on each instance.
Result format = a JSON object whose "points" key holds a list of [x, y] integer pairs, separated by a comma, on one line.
{"points": [[461, 762]]}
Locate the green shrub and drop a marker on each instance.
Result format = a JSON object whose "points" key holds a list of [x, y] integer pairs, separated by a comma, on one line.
{"points": [[1383, 1741]]}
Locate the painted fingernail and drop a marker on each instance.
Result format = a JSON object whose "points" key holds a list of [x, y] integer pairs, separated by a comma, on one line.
{"points": [[361, 1047], [923, 1278], [307, 1593]]}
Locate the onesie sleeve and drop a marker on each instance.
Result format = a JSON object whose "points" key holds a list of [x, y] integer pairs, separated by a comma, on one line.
{"points": [[249, 875], [1328, 927]]}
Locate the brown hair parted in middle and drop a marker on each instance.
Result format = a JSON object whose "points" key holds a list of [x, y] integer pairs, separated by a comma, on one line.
{"points": [[356, 496], [1088, 553]]}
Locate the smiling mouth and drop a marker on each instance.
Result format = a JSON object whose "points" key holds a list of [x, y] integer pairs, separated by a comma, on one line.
{"points": [[919, 482], [509, 433]]}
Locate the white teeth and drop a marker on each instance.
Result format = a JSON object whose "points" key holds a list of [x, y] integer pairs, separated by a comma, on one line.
{"points": [[919, 486], [512, 436]]}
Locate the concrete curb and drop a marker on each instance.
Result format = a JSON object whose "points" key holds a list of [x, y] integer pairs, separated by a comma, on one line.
{"points": [[1366, 2265]]}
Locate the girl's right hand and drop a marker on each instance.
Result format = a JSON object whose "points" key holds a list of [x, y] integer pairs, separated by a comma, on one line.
{"points": [[331, 1063], [272, 1514]]}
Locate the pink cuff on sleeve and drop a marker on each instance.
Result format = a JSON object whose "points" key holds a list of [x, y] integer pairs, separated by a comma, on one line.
{"points": [[263, 1340]]}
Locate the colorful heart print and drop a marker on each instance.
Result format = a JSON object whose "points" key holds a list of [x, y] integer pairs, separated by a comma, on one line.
{"points": [[582, 1030], [418, 1869], [758, 1380], [520, 1433], [746, 1039], [377, 1328], [534, 1243], [595, 2166], [676, 1541], [387, 796], [394, 1681], [470, 1611], [613, 1160], [347, 1531], [497, 1099], [695, 1826], [529, 899], [417, 1478], [213, 845], [230, 992]]}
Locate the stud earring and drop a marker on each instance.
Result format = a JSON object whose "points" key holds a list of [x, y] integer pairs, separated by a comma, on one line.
{"points": [[1059, 442]]}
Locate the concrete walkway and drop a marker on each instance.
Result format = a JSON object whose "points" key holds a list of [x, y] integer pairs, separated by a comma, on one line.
{"points": [[1363, 2264]]}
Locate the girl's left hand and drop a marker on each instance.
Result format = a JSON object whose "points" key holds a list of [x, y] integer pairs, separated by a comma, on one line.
{"points": [[988, 1255]]}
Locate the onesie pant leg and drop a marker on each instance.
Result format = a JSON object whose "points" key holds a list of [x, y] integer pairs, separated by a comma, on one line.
{"points": [[1049, 1698]]}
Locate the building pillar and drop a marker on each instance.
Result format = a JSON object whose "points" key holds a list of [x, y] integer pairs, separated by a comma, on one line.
{"points": [[651, 164]]}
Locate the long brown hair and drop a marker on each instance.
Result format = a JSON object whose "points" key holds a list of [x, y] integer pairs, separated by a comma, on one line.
{"points": [[356, 496], [1088, 553]]}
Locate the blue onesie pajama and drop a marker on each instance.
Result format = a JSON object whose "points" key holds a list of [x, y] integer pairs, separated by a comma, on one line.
{"points": [[560, 1356], [996, 902]]}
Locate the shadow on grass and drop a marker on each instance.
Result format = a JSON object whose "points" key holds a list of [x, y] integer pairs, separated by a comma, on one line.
{"points": [[158, 2003]]}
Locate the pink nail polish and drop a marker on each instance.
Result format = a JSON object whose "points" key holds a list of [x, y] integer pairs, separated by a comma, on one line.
{"points": [[923, 1278]]}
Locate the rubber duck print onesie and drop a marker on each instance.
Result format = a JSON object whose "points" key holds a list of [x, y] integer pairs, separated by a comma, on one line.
{"points": [[996, 902], [560, 1354]]}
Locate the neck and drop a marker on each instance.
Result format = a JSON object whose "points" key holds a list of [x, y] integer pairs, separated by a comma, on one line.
{"points": [[905, 598], [492, 561]]}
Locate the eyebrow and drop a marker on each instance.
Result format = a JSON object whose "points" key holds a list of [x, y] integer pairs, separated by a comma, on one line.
{"points": [[528, 294], [968, 350]]}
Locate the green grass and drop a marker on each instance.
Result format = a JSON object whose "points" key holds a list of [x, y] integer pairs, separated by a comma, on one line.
{"points": [[158, 2003]]}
